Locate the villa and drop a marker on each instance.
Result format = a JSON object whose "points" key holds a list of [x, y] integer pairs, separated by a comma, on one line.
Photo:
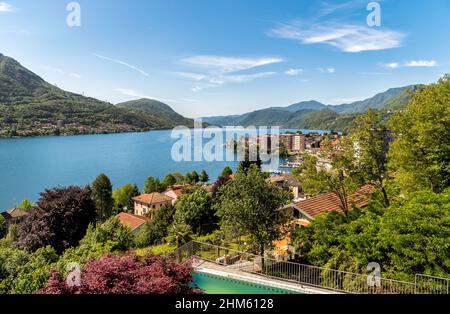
{"points": [[305, 211], [288, 182], [176, 191], [148, 203]]}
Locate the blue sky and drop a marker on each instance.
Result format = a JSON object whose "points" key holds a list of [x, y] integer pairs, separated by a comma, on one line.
{"points": [[214, 57]]}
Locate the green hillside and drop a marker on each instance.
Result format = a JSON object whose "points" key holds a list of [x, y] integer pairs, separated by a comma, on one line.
{"points": [[159, 110], [29, 106]]}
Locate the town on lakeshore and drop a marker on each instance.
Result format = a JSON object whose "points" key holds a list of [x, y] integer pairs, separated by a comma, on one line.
{"points": [[209, 148]]}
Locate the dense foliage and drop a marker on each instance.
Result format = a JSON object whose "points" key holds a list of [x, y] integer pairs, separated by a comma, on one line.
{"points": [[420, 154], [127, 274], [248, 205], [411, 236], [60, 219]]}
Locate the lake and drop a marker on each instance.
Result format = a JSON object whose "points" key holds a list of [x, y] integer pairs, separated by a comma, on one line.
{"points": [[30, 165]]}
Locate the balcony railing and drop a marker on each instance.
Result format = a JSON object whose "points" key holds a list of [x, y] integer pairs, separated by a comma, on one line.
{"points": [[324, 278]]}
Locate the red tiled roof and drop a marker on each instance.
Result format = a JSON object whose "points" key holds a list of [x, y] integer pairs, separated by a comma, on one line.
{"points": [[330, 202], [132, 221], [177, 192], [153, 198]]}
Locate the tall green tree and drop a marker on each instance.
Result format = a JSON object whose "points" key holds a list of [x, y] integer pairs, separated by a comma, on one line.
{"points": [[250, 205], [123, 198], [342, 179], [420, 154], [151, 185], [168, 181], [179, 232], [101, 191], [192, 177], [370, 145], [195, 210], [157, 229], [226, 172], [204, 178]]}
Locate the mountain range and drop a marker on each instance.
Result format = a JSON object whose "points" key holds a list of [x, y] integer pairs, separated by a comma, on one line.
{"points": [[315, 115], [29, 106]]}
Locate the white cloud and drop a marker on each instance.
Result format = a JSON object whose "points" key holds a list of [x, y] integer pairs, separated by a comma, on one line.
{"points": [[60, 71], [122, 63], [421, 63], [411, 64], [132, 92], [392, 65], [293, 72], [219, 80], [330, 70], [52, 69], [136, 94], [192, 76], [223, 64], [75, 75], [345, 37], [214, 71], [6, 7]]}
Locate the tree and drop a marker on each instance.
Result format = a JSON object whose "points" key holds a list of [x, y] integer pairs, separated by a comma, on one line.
{"points": [[371, 143], [179, 232], [102, 196], [192, 177], [250, 205], [415, 234], [204, 178], [412, 236], [111, 233], [34, 274], [156, 230], [217, 185], [420, 154], [127, 274], [195, 210], [2, 226], [226, 172], [249, 160], [25, 204], [168, 181], [151, 185], [60, 219], [342, 180], [123, 198]]}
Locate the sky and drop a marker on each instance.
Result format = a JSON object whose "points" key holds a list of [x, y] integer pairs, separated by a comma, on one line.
{"points": [[220, 57]]}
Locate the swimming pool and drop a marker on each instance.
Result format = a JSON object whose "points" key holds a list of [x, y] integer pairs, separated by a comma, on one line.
{"points": [[213, 284]]}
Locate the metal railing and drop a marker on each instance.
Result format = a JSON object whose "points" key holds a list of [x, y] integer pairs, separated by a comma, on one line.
{"points": [[324, 278]]}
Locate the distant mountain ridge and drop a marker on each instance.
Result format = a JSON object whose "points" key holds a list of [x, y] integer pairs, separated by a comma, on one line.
{"points": [[156, 108], [315, 115], [29, 106]]}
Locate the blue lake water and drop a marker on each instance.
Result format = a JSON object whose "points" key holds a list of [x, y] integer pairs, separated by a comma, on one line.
{"points": [[30, 165]]}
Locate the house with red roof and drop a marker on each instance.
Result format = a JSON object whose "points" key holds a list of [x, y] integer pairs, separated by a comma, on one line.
{"points": [[175, 191], [148, 203]]}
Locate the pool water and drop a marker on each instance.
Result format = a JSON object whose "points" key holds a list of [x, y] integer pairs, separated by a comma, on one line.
{"points": [[212, 284]]}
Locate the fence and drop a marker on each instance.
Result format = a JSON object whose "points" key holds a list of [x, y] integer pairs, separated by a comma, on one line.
{"points": [[314, 276]]}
